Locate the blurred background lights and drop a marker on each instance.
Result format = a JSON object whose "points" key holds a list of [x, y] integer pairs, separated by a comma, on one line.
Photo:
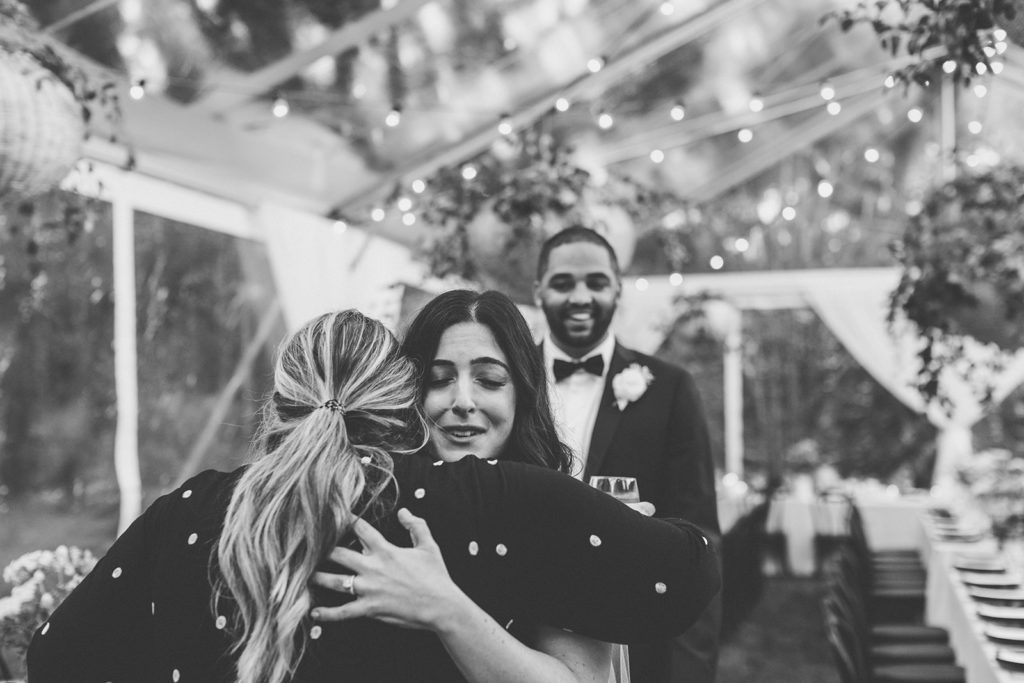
{"points": [[745, 135], [562, 104], [409, 218], [997, 67], [871, 155], [889, 82], [825, 189], [505, 126], [980, 90], [675, 279], [974, 127], [280, 108], [667, 9], [377, 214], [468, 172], [339, 227], [833, 108], [742, 244], [595, 64], [393, 117], [756, 104], [981, 68], [657, 156], [827, 91], [949, 66], [716, 262], [677, 112], [605, 120], [419, 186], [915, 115], [999, 34], [788, 213], [138, 89], [642, 284], [403, 203]]}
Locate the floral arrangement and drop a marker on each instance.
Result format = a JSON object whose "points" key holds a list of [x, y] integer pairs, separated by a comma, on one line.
{"points": [[933, 31], [995, 479], [961, 255], [39, 580]]}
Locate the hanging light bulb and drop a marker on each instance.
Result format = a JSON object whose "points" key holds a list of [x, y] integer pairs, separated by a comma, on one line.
{"points": [[138, 89], [677, 112], [595, 64], [280, 108], [756, 104], [393, 117], [562, 104], [605, 120], [745, 135], [827, 91], [505, 125], [833, 107]]}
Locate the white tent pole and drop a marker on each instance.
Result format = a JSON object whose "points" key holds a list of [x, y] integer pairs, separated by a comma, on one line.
{"points": [[732, 371], [126, 439]]}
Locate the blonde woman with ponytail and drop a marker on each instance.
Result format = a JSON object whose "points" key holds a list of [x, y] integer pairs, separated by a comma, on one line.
{"points": [[213, 582]]}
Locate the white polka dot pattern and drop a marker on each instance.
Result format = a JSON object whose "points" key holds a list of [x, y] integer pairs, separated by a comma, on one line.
{"points": [[660, 588], [116, 573], [595, 540], [46, 627], [473, 548], [438, 463], [365, 460], [315, 632], [221, 622], [175, 676], [192, 538], [187, 493], [152, 608], [705, 539], [419, 493], [501, 549]]}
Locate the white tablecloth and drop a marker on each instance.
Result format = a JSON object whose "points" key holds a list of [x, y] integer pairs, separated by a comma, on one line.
{"points": [[948, 605]]}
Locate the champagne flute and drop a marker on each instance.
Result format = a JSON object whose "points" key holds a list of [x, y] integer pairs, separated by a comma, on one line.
{"points": [[624, 489]]}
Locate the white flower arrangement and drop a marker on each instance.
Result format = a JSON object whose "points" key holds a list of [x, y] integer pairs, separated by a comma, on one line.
{"points": [[39, 580], [630, 384]]}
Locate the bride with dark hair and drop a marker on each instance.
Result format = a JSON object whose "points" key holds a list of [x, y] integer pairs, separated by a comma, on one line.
{"points": [[211, 583]]}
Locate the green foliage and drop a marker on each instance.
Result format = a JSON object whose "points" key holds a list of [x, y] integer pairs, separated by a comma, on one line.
{"points": [[970, 231], [933, 31]]}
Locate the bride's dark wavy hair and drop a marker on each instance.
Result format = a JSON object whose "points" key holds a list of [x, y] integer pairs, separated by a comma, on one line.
{"points": [[534, 438]]}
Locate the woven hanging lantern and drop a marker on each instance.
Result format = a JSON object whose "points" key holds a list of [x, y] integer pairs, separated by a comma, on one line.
{"points": [[41, 127]]}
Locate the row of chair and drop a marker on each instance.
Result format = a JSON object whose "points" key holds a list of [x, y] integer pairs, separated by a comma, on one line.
{"points": [[873, 611]]}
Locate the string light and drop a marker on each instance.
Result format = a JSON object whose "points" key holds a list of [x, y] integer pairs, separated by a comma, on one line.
{"points": [[981, 68], [377, 214], [403, 204], [833, 108], [745, 135], [675, 279], [915, 115], [562, 104], [742, 244], [605, 120], [340, 227], [756, 103], [997, 67], [989, 51], [657, 156], [667, 9], [505, 125], [827, 91], [716, 262], [642, 284], [949, 66], [468, 172], [1000, 47], [138, 89], [825, 189], [677, 112], [974, 127], [393, 117], [980, 90], [408, 219], [788, 213], [280, 108], [871, 155], [999, 34], [595, 64]]}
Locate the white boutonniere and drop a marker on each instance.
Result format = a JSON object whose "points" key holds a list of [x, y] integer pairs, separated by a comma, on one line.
{"points": [[630, 384]]}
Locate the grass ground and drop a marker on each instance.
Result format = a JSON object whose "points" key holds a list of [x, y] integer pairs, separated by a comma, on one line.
{"points": [[783, 639]]}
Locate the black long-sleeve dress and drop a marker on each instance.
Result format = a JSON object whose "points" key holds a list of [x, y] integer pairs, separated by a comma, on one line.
{"points": [[523, 542]]}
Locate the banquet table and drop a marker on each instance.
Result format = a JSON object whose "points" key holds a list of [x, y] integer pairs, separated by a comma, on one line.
{"points": [[890, 523], [948, 604]]}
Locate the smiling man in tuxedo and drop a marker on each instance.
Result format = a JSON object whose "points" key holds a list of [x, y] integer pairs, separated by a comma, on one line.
{"points": [[628, 414]]}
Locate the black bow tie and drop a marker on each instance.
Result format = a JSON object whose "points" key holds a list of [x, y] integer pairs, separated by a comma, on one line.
{"points": [[563, 368]]}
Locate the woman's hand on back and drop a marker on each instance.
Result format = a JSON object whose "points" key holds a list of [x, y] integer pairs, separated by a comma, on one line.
{"points": [[408, 587]]}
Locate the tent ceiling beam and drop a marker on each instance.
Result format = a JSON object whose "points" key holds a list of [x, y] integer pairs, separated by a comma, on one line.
{"points": [[585, 86], [783, 146], [232, 93]]}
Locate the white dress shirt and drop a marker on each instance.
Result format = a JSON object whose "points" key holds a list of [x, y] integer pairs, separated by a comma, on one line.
{"points": [[576, 399]]}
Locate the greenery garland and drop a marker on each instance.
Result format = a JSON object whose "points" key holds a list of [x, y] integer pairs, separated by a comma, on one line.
{"points": [[968, 234]]}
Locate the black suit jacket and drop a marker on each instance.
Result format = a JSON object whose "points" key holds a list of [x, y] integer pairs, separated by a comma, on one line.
{"points": [[662, 440]]}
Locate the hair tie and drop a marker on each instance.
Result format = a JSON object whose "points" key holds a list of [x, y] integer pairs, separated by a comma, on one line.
{"points": [[333, 406]]}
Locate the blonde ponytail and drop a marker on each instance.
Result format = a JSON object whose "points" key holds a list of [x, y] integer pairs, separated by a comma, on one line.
{"points": [[344, 400]]}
